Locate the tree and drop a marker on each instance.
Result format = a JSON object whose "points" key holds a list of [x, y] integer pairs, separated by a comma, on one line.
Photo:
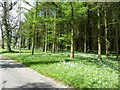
{"points": [[72, 32], [7, 7], [2, 35], [34, 26], [99, 36], [106, 29]]}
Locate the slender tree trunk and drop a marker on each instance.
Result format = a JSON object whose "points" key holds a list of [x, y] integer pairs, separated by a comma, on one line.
{"points": [[53, 46], [99, 39], [89, 27], [114, 48], [72, 45], [85, 39], [34, 28], [117, 49], [37, 40], [24, 42], [117, 35], [46, 33], [15, 42], [33, 44], [20, 46], [54, 35], [44, 41], [57, 43], [72, 34], [106, 30], [29, 43], [20, 29]]}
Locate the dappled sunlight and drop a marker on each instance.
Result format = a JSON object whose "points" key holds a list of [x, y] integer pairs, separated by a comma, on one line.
{"points": [[88, 71]]}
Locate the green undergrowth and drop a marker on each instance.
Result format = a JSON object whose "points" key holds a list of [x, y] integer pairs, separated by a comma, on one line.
{"points": [[80, 72]]}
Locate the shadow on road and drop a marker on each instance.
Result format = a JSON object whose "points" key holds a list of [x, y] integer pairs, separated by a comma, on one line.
{"points": [[37, 86], [12, 66]]}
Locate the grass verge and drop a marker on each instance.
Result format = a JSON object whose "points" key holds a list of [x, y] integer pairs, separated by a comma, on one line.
{"points": [[81, 72]]}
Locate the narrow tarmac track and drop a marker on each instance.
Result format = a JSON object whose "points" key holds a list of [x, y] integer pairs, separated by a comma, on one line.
{"points": [[15, 75]]}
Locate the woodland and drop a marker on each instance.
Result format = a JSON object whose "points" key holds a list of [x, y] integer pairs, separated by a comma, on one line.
{"points": [[68, 30]]}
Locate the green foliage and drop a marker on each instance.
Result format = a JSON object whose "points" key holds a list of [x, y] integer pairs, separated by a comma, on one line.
{"points": [[81, 72]]}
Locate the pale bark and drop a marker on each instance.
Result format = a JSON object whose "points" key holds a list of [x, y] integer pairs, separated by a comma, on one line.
{"points": [[99, 38], [54, 35], [72, 34], [33, 44], [106, 30], [46, 33]]}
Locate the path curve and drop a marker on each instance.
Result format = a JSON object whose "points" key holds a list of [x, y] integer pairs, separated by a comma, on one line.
{"points": [[15, 75]]}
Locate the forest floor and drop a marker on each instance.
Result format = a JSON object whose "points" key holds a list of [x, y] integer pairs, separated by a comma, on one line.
{"points": [[84, 71]]}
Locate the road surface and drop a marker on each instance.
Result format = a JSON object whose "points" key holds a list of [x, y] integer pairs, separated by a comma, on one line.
{"points": [[15, 75]]}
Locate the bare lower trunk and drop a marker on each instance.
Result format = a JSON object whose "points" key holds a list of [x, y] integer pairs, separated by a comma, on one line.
{"points": [[117, 48], [53, 48], [117, 35], [7, 27], [33, 45], [8, 42], [85, 40], [46, 40], [106, 32], [54, 39], [72, 45], [2, 40], [72, 34], [46, 28], [99, 39]]}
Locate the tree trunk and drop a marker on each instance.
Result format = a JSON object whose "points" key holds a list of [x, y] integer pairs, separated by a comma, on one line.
{"points": [[29, 43], [54, 36], [117, 49], [46, 33], [72, 34], [106, 30], [2, 39], [44, 41], [53, 46], [20, 29], [34, 28], [8, 41], [7, 27], [85, 39], [117, 35], [33, 45], [99, 36]]}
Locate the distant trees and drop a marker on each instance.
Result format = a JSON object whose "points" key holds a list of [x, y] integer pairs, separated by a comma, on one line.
{"points": [[76, 26]]}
